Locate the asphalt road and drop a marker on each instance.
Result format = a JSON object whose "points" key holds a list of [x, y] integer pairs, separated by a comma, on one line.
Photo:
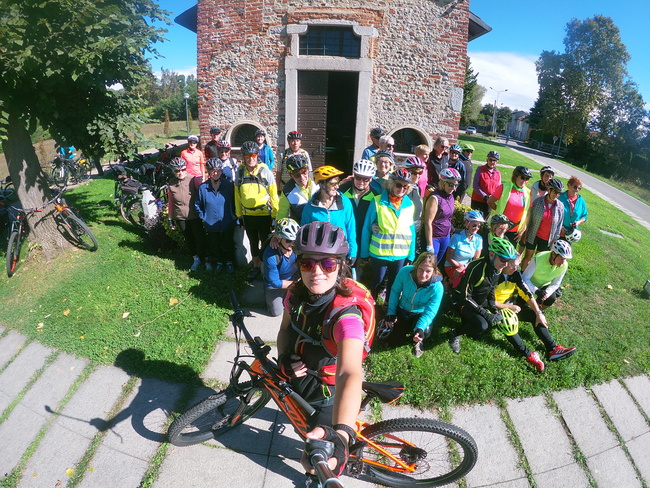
{"points": [[630, 205]]}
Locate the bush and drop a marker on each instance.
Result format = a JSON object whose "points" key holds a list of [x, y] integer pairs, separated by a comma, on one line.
{"points": [[458, 220]]}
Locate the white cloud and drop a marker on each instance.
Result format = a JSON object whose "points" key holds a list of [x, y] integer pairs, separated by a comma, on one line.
{"points": [[513, 72], [191, 70]]}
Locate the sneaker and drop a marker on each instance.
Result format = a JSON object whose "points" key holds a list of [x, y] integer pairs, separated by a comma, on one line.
{"points": [[560, 352], [230, 269], [195, 264], [418, 349], [218, 268], [208, 266], [454, 341], [535, 360], [253, 273]]}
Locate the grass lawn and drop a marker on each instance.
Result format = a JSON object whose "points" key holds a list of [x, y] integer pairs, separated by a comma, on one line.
{"points": [[132, 300]]}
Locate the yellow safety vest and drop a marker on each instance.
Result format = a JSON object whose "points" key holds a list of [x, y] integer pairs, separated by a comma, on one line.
{"points": [[394, 237]]}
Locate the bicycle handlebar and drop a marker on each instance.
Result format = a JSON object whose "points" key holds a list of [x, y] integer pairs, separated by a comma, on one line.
{"points": [[318, 452]]}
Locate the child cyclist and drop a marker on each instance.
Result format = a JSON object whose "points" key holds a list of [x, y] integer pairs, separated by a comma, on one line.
{"points": [[324, 335]]}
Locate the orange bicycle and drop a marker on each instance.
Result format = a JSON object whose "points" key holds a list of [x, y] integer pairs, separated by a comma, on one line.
{"points": [[403, 452]]}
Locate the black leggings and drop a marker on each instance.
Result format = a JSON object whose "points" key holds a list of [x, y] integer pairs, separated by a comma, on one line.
{"points": [[257, 228], [194, 236], [221, 246], [403, 329]]}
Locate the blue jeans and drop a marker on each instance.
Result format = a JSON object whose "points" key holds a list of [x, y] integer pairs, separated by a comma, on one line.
{"points": [[382, 268]]}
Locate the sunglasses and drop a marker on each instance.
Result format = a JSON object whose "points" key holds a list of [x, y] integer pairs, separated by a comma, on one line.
{"points": [[390, 145], [399, 185], [492, 160], [333, 183], [365, 179], [416, 171], [328, 265], [300, 173], [577, 188], [524, 178], [453, 184]]}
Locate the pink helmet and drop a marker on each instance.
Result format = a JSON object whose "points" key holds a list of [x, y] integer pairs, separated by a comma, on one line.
{"points": [[414, 162], [450, 174]]}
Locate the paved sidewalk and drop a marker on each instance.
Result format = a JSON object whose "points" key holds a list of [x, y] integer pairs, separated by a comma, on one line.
{"points": [[61, 421]]}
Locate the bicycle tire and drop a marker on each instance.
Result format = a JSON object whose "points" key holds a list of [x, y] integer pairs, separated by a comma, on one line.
{"points": [[80, 232], [212, 417], [445, 452], [60, 175], [84, 168], [13, 252], [135, 213]]}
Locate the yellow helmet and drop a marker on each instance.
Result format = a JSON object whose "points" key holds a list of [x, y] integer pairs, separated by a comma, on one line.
{"points": [[325, 173]]}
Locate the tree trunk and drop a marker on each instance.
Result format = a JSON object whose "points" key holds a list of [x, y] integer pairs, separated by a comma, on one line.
{"points": [[32, 186]]}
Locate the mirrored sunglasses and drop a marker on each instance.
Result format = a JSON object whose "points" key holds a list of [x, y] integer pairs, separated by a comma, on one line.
{"points": [[328, 265]]}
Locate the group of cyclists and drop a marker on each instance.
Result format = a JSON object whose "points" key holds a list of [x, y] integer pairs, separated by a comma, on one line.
{"points": [[387, 225]]}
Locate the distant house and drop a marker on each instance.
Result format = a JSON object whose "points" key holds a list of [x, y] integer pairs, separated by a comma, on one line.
{"points": [[332, 70], [518, 127]]}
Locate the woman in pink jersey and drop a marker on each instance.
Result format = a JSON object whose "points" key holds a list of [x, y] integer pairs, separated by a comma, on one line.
{"points": [[194, 158]]}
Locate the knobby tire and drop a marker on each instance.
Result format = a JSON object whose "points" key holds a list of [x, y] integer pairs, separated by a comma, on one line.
{"points": [[135, 213], [13, 252], [213, 416], [443, 453], [81, 233]]}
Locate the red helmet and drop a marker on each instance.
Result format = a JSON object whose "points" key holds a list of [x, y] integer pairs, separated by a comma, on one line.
{"points": [[223, 145], [294, 135], [400, 174]]}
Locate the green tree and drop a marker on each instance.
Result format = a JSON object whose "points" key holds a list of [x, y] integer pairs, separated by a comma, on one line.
{"points": [[59, 59], [472, 96]]}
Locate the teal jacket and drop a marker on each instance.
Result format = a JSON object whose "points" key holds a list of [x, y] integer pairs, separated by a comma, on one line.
{"points": [[425, 300]]}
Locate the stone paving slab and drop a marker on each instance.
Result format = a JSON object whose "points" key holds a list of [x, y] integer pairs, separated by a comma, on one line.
{"points": [[10, 345], [29, 416], [259, 324], [222, 359], [70, 435], [18, 373], [134, 435], [639, 449], [546, 445], [595, 440], [495, 467], [621, 409], [639, 386]]}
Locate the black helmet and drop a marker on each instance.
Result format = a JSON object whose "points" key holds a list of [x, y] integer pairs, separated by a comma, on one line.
{"points": [[321, 238], [214, 163], [215, 130], [547, 169], [555, 184], [494, 155], [523, 172], [384, 154], [178, 164], [250, 147], [260, 132], [377, 132], [296, 162], [294, 134]]}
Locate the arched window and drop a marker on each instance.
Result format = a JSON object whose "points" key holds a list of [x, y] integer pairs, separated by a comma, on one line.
{"points": [[241, 132], [406, 138]]}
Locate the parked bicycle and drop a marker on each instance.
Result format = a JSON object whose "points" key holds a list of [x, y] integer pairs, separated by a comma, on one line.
{"points": [[76, 170], [68, 222], [146, 207], [404, 452], [6, 189]]}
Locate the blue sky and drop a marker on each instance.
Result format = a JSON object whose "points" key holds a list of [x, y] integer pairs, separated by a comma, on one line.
{"points": [[505, 57]]}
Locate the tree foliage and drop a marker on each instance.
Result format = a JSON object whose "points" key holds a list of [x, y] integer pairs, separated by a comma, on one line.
{"points": [[59, 58], [472, 96], [165, 95]]}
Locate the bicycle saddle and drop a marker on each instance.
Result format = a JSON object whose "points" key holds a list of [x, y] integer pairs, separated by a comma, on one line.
{"points": [[386, 391]]}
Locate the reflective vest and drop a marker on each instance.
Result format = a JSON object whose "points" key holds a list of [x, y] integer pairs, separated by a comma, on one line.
{"points": [[394, 236], [505, 198]]}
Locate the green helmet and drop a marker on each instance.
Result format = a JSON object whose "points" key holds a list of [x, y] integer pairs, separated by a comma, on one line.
{"points": [[503, 247], [510, 323], [467, 147]]}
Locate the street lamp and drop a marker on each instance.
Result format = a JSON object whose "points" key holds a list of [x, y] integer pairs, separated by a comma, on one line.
{"points": [[494, 112], [186, 96]]}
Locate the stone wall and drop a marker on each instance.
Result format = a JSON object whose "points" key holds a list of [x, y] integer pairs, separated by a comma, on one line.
{"points": [[418, 61]]}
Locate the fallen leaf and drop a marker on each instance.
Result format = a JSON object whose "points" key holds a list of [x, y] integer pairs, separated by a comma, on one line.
{"points": [[82, 337], [626, 361], [173, 301], [126, 314], [69, 471], [40, 325], [66, 312], [64, 300], [610, 287], [48, 315], [137, 334], [91, 469]]}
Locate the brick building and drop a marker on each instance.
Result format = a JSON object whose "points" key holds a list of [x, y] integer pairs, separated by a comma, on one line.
{"points": [[333, 70]]}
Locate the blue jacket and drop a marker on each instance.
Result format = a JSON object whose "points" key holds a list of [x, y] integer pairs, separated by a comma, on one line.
{"points": [[274, 273], [579, 211], [267, 157], [216, 208], [341, 213], [406, 295]]}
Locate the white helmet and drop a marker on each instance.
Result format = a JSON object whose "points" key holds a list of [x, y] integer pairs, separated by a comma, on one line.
{"points": [[573, 236], [363, 167], [562, 248], [287, 229]]}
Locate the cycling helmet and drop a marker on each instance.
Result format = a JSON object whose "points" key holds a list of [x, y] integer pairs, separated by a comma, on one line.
{"points": [[384, 154], [215, 130], [510, 323], [321, 238], [296, 162], [193, 139], [502, 247], [522, 171], [377, 132], [214, 163], [574, 236], [562, 248], [400, 174], [325, 173], [363, 167], [467, 147], [414, 162], [456, 148], [547, 169], [493, 155], [260, 132], [474, 216], [294, 135], [383, 331], [555, 184], [178, 164], [450, 174], [250, 147], [287, 229], [223, 145], [499, 219]]}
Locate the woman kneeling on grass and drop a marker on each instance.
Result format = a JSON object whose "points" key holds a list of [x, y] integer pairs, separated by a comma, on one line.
{"points": [[413, 303]]}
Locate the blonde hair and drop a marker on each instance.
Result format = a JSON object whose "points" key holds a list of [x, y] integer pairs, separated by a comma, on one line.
{"points": [[422, 149]]}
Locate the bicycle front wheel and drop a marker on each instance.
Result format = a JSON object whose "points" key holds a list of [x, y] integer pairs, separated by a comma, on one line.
{"points": [[417, 452], [60, 175], [84, 168], [216, 415], [13, 252], [81, 233], [134, 212]]}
